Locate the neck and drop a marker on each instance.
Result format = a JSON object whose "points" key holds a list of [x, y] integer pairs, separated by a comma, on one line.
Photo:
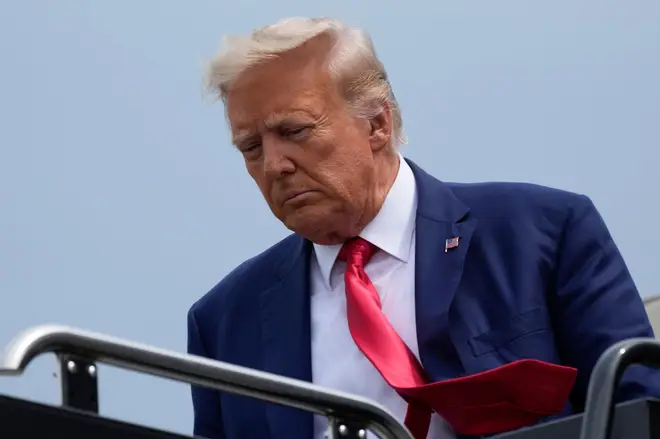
{"points": [[387, 168]]}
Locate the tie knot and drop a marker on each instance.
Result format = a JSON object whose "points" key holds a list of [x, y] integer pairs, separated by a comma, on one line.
{"points": [[357, 251]]}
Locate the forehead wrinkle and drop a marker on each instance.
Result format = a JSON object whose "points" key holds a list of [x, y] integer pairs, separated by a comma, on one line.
{"points": [[281, 118]]}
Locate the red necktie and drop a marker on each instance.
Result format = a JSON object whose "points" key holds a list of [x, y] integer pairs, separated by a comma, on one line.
{"points": [[502, 399]]}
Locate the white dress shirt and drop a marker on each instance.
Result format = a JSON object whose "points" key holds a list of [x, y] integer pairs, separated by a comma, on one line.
{"points": [[337, 363]]}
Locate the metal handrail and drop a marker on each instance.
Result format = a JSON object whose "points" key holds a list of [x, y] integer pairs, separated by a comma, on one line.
{"points": [[599, 410], [198, 371]]}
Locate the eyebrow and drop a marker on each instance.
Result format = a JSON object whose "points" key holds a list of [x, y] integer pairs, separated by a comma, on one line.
{"points": [[242, 136]]}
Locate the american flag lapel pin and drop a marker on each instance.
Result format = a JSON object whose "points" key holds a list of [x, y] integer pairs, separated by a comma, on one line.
{"points": [[451, 243]]}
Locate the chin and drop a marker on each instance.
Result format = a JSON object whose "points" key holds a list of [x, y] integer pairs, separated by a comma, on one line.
{"points": [[315, 225]]}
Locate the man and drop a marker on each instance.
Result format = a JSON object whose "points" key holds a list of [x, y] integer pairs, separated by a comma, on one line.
{"points": [[442, 280]]}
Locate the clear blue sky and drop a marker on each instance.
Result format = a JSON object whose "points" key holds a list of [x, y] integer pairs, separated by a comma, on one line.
{"points": [[122, 201]]}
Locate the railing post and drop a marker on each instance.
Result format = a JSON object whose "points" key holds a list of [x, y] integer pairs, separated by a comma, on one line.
{"points": [[341, 429], [79, 383]]}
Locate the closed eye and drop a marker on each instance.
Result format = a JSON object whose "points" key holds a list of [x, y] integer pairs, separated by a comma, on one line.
{"points": [[295, 132], [249, 147]]}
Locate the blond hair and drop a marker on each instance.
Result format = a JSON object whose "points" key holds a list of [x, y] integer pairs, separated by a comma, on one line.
{"points": [[352, 62]]}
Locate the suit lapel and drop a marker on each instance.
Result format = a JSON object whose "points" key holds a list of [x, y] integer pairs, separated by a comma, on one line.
{"points": [[440, 216], [285, 314]]}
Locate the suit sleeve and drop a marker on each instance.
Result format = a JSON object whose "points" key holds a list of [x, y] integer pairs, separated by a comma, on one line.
{"points": [[597, 304], [206, 402]]}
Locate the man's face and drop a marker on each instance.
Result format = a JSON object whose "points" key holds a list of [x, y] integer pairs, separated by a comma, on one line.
{"points": [[312, 160]]}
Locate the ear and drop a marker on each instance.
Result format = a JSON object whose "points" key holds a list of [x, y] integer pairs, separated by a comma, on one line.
{"points": [[381, 129]]}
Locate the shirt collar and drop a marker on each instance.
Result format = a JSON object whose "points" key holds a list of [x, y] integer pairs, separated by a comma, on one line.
{"points": [[392, 228]]}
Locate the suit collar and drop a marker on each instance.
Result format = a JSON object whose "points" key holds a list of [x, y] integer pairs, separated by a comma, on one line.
{"points": [[436, 201], [438, 271]]}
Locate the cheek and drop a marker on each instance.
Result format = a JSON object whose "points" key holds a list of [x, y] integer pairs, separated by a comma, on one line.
{"points": [[343, 180], [342, 167]]}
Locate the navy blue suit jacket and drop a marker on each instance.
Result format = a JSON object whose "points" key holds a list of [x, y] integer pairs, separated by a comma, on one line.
{"points": [[536, 275]]}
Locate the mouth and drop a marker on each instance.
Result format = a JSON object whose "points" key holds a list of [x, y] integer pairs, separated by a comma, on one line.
{"points": [[297, 196]]}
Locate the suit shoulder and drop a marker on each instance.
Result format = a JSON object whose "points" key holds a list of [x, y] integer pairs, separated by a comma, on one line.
{"points": [[506, 199], [246, 276]]}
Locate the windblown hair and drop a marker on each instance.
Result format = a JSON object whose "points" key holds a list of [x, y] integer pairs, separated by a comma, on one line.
{"points": [[352, 63]]}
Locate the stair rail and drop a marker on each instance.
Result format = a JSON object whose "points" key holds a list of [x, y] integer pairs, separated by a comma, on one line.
{"points": [[605, 377], [341, 408]]}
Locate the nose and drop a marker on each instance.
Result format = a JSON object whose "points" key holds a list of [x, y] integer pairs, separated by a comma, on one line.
{"points": [[276, 161]]}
